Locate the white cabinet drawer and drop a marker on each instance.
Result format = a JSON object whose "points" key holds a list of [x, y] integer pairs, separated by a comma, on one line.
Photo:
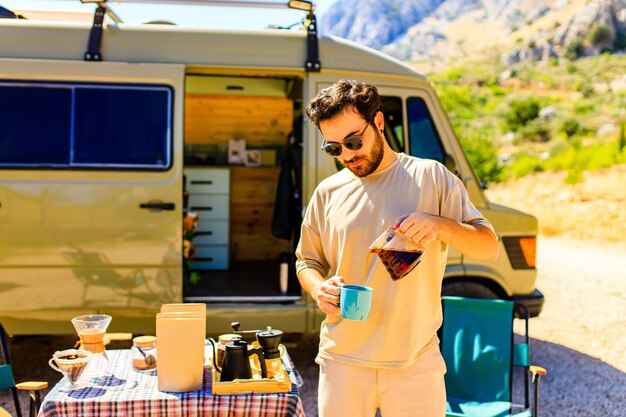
{"points": [[211, 232], [207, 181], [210, 206], [210, 257]]}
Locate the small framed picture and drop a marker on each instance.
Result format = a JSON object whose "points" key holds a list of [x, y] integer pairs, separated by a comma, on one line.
{"points": [[236, 151], [253, 158]]}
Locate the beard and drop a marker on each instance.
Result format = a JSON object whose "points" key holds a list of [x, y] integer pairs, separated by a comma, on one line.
{"points": [[372, 161]]}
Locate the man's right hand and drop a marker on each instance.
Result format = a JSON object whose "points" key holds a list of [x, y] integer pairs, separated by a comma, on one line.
{"points": [[327, 295]]}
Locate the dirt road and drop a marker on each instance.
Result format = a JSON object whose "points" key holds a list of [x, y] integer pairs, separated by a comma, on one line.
{"points": [[580, 337]]}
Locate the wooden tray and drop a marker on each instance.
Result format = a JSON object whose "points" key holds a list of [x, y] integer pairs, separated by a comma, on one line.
{"points": [[280, 382]]}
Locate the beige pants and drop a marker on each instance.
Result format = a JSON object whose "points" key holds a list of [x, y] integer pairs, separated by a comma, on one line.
{"points": [[355, 391]]}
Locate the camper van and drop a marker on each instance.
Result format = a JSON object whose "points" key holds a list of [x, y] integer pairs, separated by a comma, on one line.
{"points": [[113, 134]]}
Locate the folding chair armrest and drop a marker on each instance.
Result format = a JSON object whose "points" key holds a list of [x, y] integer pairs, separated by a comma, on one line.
{"points": [[537, 371], [32, 385]]}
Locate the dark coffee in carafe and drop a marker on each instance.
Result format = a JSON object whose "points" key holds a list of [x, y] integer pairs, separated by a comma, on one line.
{"points": [[398, 263], [399, 254]]}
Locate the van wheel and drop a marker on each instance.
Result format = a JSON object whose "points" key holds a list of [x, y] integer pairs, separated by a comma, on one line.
{"points": [[467, 289]]}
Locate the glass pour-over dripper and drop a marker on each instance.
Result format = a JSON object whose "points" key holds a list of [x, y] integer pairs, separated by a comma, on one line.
{"points": [[91, 329]]}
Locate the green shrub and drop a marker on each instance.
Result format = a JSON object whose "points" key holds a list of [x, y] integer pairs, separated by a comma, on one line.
{"points": [[570, 127], [621, 140], [562, 160], [574, 157], [600, 35], [558, 146], [585, 88], [602, 156], [454, 74], [534, 131], [458, 100], [521, 112], [482, 155], [525, 164], [497, 91], [574, 49], [583, 108], [571, 69]]}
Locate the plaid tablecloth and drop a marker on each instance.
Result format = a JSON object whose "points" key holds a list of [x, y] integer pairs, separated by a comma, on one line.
{"points": [[131, 393]]}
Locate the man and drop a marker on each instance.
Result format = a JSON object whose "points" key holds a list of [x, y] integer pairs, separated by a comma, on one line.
{"points": [[390, 361]]}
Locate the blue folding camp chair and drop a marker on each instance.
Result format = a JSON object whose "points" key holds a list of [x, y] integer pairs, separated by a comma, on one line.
{"points": [[7, 381], [477, 345]]}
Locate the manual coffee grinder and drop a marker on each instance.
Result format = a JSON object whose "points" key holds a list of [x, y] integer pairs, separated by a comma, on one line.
{"points": [[91, 329], [269, 340]]}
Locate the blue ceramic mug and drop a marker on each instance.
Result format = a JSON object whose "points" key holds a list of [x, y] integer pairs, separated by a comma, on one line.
{"points": [[355, 302]]}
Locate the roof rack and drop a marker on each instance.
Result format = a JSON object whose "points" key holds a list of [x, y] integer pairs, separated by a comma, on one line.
{"points": [[265, 4], [312, 63]]}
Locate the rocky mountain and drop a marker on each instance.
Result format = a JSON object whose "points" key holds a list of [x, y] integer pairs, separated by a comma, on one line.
{"points": [[447, 30], [374, 22]]}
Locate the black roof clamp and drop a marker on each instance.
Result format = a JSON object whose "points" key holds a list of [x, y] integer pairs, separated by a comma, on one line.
{"points": [[313, 63], [95, 35]]}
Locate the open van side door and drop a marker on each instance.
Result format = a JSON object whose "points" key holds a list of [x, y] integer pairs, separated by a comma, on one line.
{"points": [[90, 189]]}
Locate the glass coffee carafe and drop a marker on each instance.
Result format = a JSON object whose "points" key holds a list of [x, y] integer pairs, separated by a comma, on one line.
{"points": [[91, 329], [398, 253]]}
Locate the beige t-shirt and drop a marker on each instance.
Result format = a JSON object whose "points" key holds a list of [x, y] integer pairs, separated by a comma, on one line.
{"points": [[345, 215]]}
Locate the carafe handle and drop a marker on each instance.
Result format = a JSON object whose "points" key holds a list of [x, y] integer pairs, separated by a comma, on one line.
{"points": [[217, 368], [259, 352]]}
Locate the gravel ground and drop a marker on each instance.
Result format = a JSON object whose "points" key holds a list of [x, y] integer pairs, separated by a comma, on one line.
{"points": [[580, 337]]}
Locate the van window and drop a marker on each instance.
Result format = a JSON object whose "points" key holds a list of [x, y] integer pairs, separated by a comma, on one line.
{"points": [[423, 137], [79, 126], [35, 125], [392, 109]]}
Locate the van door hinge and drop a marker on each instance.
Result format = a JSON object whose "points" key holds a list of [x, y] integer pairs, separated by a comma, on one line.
{"points": [[313, 63]]}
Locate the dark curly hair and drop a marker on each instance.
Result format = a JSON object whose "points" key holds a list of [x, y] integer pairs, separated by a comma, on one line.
{"points": [[344, 94]]}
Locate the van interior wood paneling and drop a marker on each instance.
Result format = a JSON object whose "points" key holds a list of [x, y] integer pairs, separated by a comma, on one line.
{"points": [[215, 119], [253, 194]]}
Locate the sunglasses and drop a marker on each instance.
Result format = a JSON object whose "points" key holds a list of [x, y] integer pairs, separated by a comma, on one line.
{"points": [[352, 143]]}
